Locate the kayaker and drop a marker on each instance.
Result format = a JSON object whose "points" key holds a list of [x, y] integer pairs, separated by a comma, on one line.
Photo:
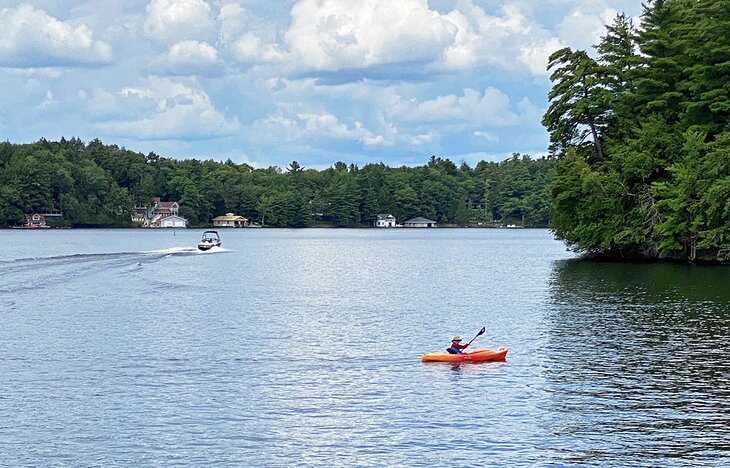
{"points": [[456, 345]]}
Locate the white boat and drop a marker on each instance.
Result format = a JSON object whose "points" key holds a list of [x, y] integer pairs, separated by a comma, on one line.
{"points": [[210, 239]]}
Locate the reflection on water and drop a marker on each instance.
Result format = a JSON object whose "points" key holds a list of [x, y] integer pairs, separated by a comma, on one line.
{"points": [[638, 359], [460, 369]]}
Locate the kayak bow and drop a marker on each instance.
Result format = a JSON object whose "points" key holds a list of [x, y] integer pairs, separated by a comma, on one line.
{"points": [[478, 355]]}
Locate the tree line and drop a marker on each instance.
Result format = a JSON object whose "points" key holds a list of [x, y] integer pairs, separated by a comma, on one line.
{"points": [[99, 185], [642, 135]]}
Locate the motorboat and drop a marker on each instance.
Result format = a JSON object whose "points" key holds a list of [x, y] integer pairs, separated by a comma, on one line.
{"points": [[210, 239]]}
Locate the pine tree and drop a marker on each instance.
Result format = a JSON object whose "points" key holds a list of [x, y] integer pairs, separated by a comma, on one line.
{"points": [[707, 51], [579, 101], [618, 55]]}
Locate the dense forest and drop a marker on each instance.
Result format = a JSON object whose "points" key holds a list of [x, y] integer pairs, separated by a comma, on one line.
{"points": [[642, 138], [99, 185]]}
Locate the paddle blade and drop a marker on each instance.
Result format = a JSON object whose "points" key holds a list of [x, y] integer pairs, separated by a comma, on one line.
{"points": [[481, 332]]}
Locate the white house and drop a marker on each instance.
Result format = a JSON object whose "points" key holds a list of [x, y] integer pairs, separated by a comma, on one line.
{"points": [[385, 220], [156, 214], [170, 221], [420, 222]]}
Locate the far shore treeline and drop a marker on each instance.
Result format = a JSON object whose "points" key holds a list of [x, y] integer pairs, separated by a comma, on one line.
{"points": [[642, 136], [98, 185]]}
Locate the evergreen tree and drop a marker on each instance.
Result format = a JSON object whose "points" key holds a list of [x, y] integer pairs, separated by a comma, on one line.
{"points": [[579, 101], [661, 190], [100, 185]]}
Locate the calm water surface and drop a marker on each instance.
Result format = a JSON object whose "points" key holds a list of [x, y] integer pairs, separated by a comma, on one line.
{"points": [[302, 347]]}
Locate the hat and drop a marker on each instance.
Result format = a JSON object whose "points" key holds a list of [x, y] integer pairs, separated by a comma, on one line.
{"points": [[456, 338]]}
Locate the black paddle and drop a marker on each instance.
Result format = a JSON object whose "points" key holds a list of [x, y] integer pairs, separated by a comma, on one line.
{"points": [[481, 332]]}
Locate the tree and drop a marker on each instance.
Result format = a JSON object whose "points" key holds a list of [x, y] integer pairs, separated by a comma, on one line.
{"points": [[100, 185], [341, 198], [620, 62], [406, 202], [618, 55], [578, 99], [658, 92], [707, 66], [294, 167], [11, 211], [660, 190]]}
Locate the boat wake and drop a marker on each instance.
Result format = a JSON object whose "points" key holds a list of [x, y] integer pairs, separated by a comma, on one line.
{"points": [[36, 272], [181, 251], [177, 251]]}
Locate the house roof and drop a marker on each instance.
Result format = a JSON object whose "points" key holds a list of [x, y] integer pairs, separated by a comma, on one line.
{"points": [[419, 220], [385, 216], [35, 217], [230, 217]]}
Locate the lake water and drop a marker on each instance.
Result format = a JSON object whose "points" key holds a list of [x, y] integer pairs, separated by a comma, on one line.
{"points": [[302, 347]]}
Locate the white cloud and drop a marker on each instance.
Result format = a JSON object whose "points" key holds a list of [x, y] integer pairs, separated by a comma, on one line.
{"points": [[509, 41], [328, 126], [48, 102], [32, 38], [471, 110], [529, 111], [393, 114], [191, 58], [345, 35], [171, 21], [336, 78], [583, 30], [486, 135], [249, 48], [337, 35], [535, 56], [173, 110], [340, 34], [102, 103], [311, 125], [232, 20], [420, 139]]}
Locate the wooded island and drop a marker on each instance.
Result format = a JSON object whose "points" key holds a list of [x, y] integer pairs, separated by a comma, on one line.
{"points": [[642, 136]]}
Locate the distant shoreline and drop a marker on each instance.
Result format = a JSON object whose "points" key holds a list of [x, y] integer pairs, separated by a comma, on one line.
{"points": [[446, 226]]}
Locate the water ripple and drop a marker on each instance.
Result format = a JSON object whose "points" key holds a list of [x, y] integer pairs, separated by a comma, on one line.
{"points": [[302, 347]]}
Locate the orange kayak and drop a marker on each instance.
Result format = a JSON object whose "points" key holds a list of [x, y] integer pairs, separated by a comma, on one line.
{"points": [[478, 355]]}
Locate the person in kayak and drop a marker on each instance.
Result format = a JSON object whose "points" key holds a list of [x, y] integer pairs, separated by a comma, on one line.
{"points": [[456, 346]]}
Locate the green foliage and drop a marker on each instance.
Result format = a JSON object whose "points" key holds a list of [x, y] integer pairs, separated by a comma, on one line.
{"points": [[579, 101], [663, 185], [618, 56], [99, 185]]}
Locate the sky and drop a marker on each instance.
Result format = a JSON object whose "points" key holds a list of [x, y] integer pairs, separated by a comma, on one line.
{"points": [[267, 82]]}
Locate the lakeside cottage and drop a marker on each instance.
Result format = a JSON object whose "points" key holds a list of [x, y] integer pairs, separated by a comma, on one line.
{"points": [[35, 221], [162, 214], [419, 222], [231, 220], [171, 221], [385, 220]]}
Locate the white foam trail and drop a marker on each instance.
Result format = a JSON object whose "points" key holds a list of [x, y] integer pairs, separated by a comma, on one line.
{"points": [[171, 250], [214, 250]]}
